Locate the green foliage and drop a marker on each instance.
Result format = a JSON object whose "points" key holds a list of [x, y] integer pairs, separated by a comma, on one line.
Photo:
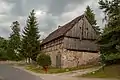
{"points": [[112, 56], [14, 41], [112, 11], [43, 60], [91, 18], [90, 15], [3, 47], [110, 39], [3, 54], [30, 47]]}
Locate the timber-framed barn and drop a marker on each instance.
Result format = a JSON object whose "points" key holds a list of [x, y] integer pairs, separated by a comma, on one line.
{"points": [[72, 44]]}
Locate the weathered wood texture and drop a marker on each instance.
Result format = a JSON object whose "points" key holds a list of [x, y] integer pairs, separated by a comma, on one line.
{"points": [[72, 45], [53, 45], [81, 37], [83, 45], [88, 30], [82, 30], [76, 31]]}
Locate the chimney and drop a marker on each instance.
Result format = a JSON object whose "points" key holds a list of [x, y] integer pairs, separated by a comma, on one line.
{"points": [[59, 26]]}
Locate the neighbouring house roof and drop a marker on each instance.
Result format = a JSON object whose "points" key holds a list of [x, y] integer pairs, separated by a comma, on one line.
{"points": [[62, 30]]}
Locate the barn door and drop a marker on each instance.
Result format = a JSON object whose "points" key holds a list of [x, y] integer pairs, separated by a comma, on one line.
{"points": [[58, 61]]}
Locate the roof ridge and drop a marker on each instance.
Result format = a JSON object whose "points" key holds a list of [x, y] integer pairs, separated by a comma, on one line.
{"points": [[79, 17], [62, 30]]}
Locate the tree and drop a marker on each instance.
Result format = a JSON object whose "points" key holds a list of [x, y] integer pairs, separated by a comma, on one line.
{"points": [[110, 39], [44, 60], [3, 47], [3, 43], [111, 10], [14, 41], [91, 18], [30, 41]]}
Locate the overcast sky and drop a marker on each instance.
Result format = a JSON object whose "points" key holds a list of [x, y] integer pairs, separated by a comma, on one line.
{"points": [[49, 13]]}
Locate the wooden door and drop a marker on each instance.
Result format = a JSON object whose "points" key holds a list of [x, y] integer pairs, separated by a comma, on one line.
{"points": [[58, 61]]}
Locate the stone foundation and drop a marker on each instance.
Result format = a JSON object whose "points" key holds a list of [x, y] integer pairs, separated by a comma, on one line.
{"points": [[73, 58], [77, 58]]}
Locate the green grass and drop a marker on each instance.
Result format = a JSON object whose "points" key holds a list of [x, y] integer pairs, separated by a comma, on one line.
{"points": [[52, 70], [40, 70], [112, 71]]}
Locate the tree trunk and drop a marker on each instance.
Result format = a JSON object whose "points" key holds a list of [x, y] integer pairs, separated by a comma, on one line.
{"points": [[26, 60], [29, 60], [45, 69]]}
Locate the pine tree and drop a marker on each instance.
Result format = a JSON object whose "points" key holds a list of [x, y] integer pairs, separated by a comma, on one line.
{"points": [[91, 18], [14, 41], [30, 41], [110, 39]]}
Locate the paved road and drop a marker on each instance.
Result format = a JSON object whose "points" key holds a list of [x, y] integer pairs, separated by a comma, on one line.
{"points": [[9, 73]]}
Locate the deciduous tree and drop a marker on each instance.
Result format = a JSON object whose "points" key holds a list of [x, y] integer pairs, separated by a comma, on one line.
{"points": [[14, 41]]}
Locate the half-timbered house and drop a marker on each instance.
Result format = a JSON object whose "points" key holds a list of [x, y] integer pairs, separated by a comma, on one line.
{"points": [[72, 44]]}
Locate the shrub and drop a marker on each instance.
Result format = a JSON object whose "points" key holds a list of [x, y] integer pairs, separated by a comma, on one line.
{"points": [[110, 58], [44, 60]]}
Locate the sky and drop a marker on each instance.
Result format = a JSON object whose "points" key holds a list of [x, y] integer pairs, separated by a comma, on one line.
{"points": [[50, 13]]}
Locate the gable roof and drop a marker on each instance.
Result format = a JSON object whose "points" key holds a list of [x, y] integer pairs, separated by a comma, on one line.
{"points": [[62, 30]]}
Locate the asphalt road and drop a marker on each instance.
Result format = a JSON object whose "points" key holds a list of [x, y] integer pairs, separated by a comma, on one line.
{"points": [[7, 72]]}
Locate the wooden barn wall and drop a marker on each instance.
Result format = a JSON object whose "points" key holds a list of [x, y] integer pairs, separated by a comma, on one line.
{"points": [[76, 31], [88, 31], [82, 29], [53, 45], [76, 44]]}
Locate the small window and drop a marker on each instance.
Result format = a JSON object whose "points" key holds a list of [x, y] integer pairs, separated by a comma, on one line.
{"points": [[87, 28], [55, 42], [52, 43], [44, 46]]}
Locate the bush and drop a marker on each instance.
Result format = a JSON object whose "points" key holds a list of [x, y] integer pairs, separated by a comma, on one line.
{"points": [[43, 60], [110, 58], [111, 62], [3, 55]]}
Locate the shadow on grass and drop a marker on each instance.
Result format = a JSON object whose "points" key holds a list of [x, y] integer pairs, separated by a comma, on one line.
{"points": [[112, 71]]}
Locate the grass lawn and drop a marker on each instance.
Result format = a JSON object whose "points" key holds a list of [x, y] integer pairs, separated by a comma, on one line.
{"points": [[112, 71], [52, 70]]}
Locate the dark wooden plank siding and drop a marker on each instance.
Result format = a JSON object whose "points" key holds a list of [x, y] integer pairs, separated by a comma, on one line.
{"points": [[76, 30], [82, 30], [77, 44], [78, 37], [89, 32]]}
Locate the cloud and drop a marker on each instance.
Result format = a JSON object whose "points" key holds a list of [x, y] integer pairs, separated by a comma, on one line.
{"points": [[57, 7], [4, 31], [98, 13], [47, 23], [23, 7], [4, 7], [50, 13]]}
